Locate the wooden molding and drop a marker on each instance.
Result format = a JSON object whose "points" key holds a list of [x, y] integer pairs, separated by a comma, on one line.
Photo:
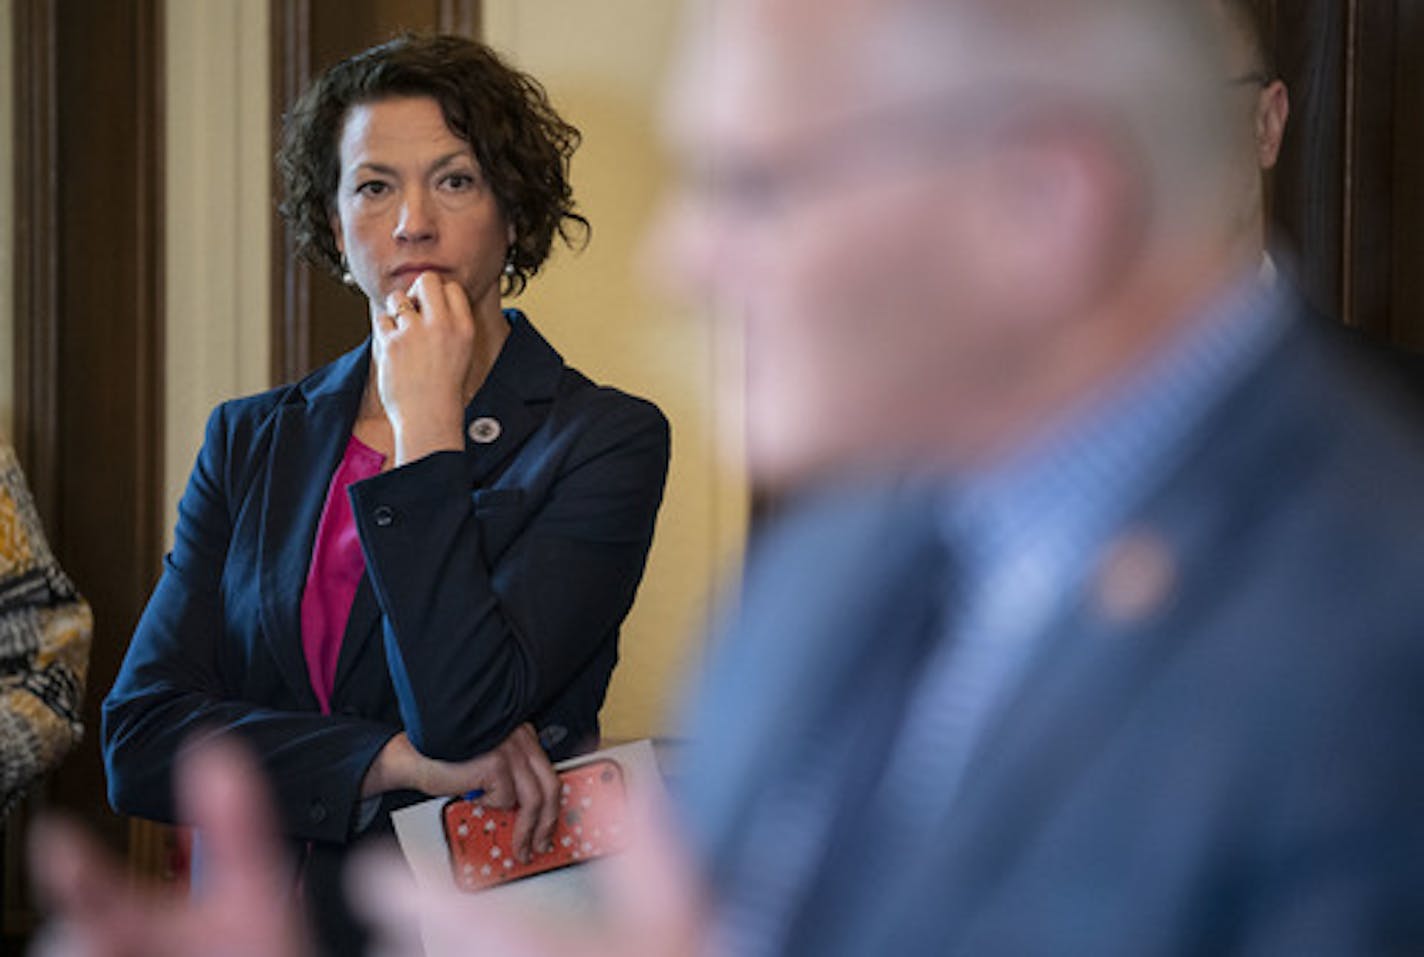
{"points": [[36, 262], [291, 283], [460, 16], [89, 324]]}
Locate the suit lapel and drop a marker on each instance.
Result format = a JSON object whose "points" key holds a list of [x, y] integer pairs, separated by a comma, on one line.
{"points": [[1079, 690], [1105, 654], [842, 600], [310, 434]]}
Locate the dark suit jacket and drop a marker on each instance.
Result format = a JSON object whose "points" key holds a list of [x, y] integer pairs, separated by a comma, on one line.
{"points": [[497, 579], [1235, 766]]}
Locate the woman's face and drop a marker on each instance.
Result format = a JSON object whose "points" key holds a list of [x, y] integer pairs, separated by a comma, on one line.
{"points": [[411, 198]]}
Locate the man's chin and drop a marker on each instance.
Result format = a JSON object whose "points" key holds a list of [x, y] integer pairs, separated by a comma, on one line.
{"points": [[794, 461], [786, 464]]}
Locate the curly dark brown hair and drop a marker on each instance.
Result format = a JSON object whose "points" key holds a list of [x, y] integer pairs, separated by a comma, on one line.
{"points": [[523, 146]]}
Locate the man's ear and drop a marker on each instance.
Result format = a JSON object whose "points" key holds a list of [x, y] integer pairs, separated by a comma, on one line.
{"points": [[1272, 112]]}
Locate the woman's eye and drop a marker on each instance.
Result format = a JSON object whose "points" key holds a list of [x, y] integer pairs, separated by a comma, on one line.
{"points": [[459, 181], [372, 188]]}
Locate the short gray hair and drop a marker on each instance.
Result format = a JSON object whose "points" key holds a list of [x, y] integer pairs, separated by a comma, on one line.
{"points": [[1150, 72]]}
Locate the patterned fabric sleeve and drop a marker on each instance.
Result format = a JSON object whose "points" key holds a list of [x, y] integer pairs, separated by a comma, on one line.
{"points": [[45, 628]]}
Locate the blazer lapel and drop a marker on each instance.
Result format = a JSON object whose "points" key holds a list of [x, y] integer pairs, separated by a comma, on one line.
{"points": [[363, 622], [513, 401], [508, 407], [310, 434], [488, 454]]}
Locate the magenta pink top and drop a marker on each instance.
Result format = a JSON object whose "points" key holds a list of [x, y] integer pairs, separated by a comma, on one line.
{"points": [[336, 569]]}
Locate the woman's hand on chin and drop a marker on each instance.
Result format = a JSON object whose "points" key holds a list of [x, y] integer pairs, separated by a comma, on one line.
{"points": [[423, 345]]}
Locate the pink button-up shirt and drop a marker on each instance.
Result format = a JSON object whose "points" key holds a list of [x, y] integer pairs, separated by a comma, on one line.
{"points": [[336, 569]]}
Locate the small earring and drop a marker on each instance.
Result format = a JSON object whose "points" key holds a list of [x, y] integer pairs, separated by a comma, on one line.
{"points": [[346, 276], [509, 267]]}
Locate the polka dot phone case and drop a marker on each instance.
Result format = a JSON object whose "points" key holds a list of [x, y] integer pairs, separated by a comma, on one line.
{"points": [[592, 823]]}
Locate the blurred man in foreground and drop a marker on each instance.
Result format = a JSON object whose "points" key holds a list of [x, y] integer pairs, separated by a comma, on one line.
{"points": [[1094, 627], [1125, 662]]}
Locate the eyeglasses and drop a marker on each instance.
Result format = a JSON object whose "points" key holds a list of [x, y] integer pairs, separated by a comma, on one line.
{"points": [[1258, 78], [872, 145]]}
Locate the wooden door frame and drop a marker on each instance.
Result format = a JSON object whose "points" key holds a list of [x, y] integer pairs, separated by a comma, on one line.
{"points": [[88, 325]]}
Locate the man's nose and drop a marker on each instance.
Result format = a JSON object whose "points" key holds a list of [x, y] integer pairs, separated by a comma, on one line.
{"points": [[685, 250]]}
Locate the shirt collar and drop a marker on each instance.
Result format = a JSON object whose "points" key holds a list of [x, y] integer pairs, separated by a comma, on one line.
{"points": [[1269, 273], [1064, 492]]}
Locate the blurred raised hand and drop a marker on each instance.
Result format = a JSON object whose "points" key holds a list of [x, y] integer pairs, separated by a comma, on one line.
{"points": [[650, 902], [245, 907]]}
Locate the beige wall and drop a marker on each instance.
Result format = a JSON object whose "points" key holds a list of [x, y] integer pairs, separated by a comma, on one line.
{"points": [[603, 64], [217, 195]]}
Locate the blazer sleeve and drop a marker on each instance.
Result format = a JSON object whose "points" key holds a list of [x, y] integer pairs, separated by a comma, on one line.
{"points": [[45, 630], [173, 687], [476, 646]]}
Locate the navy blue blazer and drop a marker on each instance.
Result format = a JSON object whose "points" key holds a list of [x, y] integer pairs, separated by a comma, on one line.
{"points": [[496, 582], [1235, 766]]}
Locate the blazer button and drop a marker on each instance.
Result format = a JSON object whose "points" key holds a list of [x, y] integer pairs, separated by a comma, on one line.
{"points": [[316, 812], [384, 515]]}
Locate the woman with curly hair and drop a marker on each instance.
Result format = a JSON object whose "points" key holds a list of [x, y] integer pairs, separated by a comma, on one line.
{"points": [[405, 574]]}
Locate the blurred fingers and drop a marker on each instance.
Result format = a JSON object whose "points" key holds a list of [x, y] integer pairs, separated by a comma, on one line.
{"points": [[83, 886], [222, 793], [452, 922], [654, 890], [248, 890], [550, 789], [543, 806], [531, 806], [384, 892]]}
